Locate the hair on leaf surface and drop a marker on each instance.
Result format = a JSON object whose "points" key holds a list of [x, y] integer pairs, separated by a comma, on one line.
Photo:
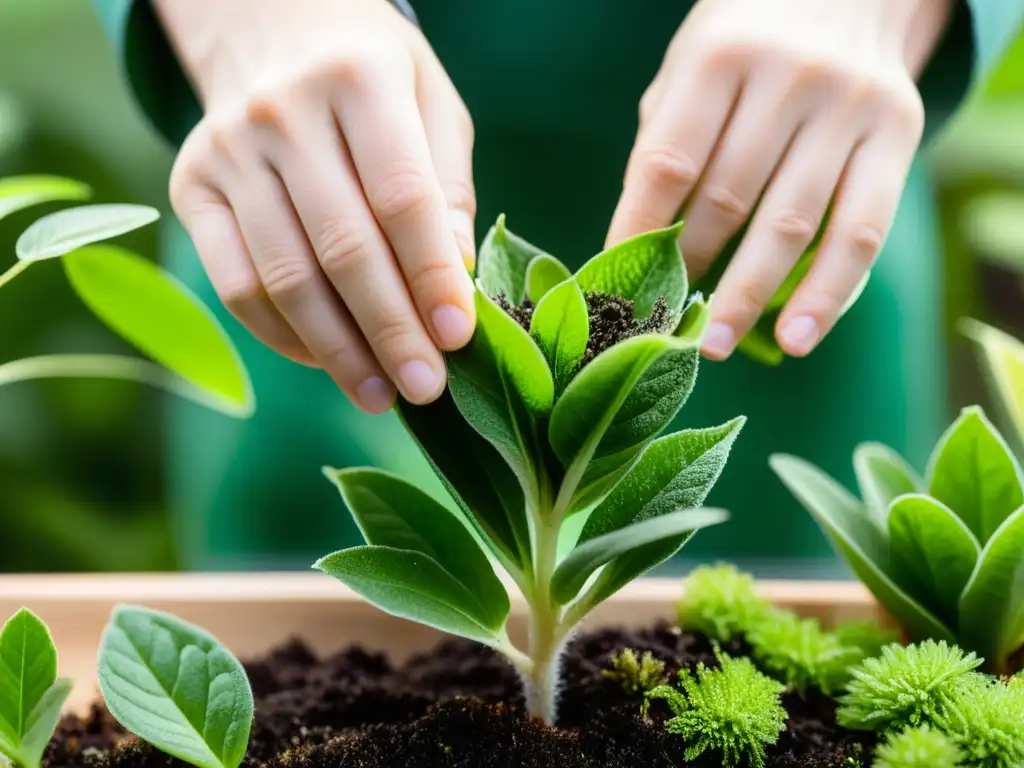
{"points": [[721, 601], [985, 719], [636, 674], [920, 747]]}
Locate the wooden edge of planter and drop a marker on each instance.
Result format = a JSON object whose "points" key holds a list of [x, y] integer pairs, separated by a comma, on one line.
{"points": [[252, 612]]}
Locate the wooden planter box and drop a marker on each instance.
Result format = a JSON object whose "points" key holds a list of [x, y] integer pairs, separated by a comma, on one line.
{"points": [[250, 613]]}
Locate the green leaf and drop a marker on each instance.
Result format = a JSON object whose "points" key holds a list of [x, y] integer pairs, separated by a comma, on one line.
{"points": [[694, 321], [573, 572], [392, 513], [543, 274], [173, 685], [614, 407], [992, 603], [882, 475], [561, 325], [162, 318], [641, 269], [413, 586], [759, 343], [973, 473], [503, 262], [933, 550], [19, 192], [1002, 359], [477, 477], [31, 696], [62, 232], [854, 535]]}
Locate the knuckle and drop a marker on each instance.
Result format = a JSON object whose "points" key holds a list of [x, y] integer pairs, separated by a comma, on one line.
{"points": [[359, 67], [729, 54], [459, 194], [341, 357], [865, 241], [286, 278], [745, 303], [431, 278], [813, 72], [727, 203], [341, 247], [668, 166], [240, 292], [391, 337], [267, 111], [405, 193], [794, 225]]}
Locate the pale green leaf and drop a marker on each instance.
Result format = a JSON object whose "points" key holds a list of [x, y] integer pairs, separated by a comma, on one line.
{"points": [[561, 325], [543, 274], [855, 536], [162, 318], [973, 472], [503, 262], [64, 231], [393, 513], [992, 603], [882, 475], [413, 586], [694, 321], [933, 552], [1002, 359], [642, 269], [42, 722], [573, 572], [20, 192], [173, 685]]}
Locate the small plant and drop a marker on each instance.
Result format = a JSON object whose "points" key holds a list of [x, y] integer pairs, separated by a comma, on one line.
{"points": [[921, 747], [905, 686], [176, 687], [636, 675], [552, 410], [721, 602], [31, 694], [985, 719], [734, 710], [868, 636]]}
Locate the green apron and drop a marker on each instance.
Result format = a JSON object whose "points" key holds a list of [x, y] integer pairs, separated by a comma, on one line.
{"points": [[553, 88]]}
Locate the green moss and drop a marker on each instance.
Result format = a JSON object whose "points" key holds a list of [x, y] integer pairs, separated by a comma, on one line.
{"points": [[866, 635], [721, 602], [921, 747], [985, 719], [636, 674]]}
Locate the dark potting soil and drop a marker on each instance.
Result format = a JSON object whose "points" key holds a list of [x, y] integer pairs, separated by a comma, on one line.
{"points": [[460, 706]]}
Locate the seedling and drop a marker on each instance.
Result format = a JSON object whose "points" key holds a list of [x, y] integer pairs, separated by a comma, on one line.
{"points": [[721, 602], [552, 411], [175, 686], [922, 747], [984, 720], [636, 674], [31, 694]]}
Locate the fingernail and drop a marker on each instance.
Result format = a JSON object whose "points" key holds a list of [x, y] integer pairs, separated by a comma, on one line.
{"points": [[462, 227], [452, 326], [800, 335], [419, 381], [375, 395], [719, 339]]}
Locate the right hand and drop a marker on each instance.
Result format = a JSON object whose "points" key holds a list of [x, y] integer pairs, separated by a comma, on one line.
{"points": [[328, 188]]}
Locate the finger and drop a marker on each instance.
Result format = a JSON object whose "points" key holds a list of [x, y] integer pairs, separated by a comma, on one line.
{"points": [[761, 129], [672, 149], [787, 219], [863, 212], [380, 120], [211, 224], [351, 250], [292, 278]]}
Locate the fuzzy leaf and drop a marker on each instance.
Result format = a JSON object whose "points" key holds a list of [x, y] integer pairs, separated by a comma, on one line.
{"points": [[31, 695], [393, 513], [973, 473], [615, 406], [933, 550], [161, 317], [476, 476], [882, 475], [561, 325], [175, 686], [573, 572], [992, 604], [857, 539], [64, 231], [20, 192], [414, 586], [503, 262], [1003, 364], [642, 269], [694, 321], [543, 274]]}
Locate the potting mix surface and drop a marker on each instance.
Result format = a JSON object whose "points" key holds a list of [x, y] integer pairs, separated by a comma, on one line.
{"points": [[461, 705]]}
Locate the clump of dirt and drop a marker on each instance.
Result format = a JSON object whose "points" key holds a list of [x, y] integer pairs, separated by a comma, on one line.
{"points": [[461, 705], [521, 313]]}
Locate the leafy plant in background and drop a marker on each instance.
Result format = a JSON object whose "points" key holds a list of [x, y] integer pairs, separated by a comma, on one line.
{"points": [[636, 674], [191, 354], [552, 410], [31, 694]]}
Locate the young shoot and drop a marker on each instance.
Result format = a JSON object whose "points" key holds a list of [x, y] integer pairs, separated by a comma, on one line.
{"points": [[553, 409], [985, 719], [920, 747], [636, 674], [721, 602]]}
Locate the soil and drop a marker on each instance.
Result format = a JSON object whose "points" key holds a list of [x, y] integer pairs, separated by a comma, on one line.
{"points": [[460, 706]]}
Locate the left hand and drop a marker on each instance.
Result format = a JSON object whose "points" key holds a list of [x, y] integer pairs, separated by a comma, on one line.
{"points": [[767, 111]]}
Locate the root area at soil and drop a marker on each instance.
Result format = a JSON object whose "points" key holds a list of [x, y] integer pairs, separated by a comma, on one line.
{"points": [[460, 706]]}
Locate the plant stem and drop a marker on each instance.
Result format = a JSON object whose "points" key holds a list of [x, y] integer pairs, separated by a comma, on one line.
{"points": [[545, 625], [13, 272]]}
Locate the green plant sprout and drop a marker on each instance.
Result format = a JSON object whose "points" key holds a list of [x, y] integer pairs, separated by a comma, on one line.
{"points": [[636, 674], [552, 410], [734, 710], [868, 636], [985, 719], [175, 686], [190, 353], [31, 694], [721, 602], [921, 747]]}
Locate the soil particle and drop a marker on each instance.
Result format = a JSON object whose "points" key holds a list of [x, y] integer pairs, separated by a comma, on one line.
{"points": [[461, 705]]}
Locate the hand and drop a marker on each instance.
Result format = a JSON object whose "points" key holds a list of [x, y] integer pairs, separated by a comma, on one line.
{"points": [[328, 188], [767, 111]]}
